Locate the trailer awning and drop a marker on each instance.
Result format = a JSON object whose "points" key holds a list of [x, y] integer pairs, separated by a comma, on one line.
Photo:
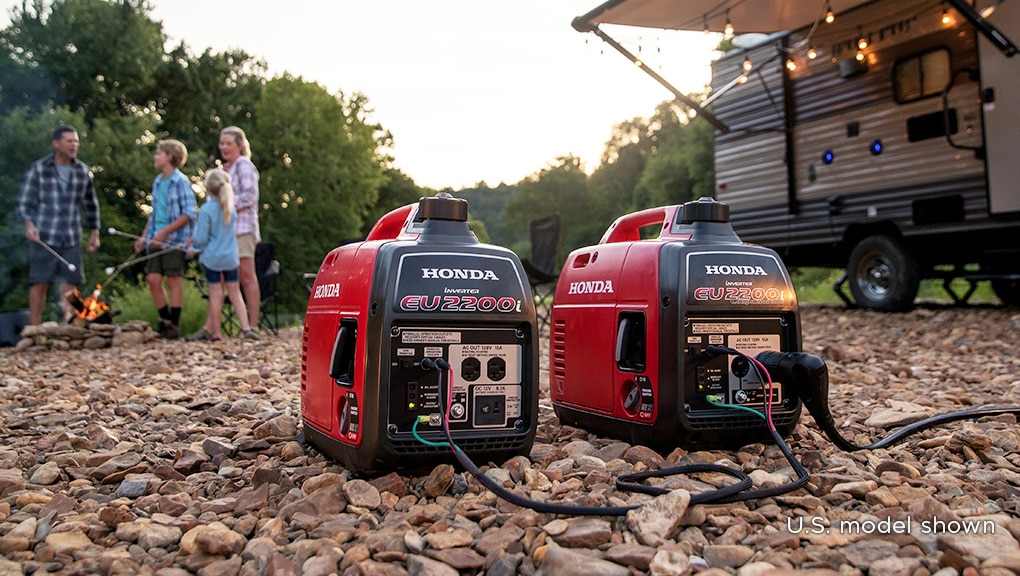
{"points": [[746, 16]]}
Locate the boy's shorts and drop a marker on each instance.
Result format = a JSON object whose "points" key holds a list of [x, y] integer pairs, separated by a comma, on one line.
{"points": [[44, 268], [170, 263]]}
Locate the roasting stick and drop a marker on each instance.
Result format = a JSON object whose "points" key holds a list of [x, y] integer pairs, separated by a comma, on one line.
{"points": [[113, 272], [57, 255]]}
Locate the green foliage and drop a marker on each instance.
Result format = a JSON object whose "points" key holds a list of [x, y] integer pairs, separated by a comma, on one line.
{"points": [[681, 166], [96, 56], [562, 188], [320, 174], [197, 96]]}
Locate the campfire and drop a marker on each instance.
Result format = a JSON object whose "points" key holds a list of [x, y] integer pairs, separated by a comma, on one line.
{"points": [[90, 308]]}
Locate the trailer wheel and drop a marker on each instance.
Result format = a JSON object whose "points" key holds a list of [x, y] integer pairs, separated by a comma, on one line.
{"points": [[884, 275], [1008, 291]]}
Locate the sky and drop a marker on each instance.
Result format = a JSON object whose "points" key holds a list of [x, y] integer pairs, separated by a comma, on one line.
{"points": [[471, 90]]}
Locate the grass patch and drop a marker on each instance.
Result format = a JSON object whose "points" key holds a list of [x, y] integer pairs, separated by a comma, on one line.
{"points": [[814, 285]]}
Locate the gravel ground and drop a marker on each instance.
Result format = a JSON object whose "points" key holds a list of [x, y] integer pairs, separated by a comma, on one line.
{"points": [[175, 458]]}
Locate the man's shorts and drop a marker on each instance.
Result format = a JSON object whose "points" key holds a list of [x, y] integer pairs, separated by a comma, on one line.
{"points": [[170, 263], [45, 268], [216, 276], [246, 245]]}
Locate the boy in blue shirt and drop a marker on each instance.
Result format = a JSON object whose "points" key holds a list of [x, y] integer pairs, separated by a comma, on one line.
{"points": [[170, 226]]}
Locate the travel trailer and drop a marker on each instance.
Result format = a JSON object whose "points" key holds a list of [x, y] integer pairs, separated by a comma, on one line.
{"points": [[881, 137]]}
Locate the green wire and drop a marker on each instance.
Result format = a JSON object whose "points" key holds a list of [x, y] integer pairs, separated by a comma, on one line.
{"points": [[710, 400], [414, 430]]}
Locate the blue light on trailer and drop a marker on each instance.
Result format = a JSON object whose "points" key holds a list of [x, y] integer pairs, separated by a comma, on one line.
{"points": [[828, 157], [876, 147]]}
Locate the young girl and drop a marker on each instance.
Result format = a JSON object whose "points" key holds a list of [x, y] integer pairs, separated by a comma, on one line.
{"points": [[215, 243]]}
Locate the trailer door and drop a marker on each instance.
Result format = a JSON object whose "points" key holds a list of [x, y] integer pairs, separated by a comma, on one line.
{"points": [[1002, 115]]}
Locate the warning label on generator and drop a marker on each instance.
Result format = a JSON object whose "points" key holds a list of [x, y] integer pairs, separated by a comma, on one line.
{"points": [[715, 328], [413, 337]]}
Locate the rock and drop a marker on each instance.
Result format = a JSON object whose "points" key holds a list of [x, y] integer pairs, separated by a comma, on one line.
{"points": [[362, 494], [439, 481], [68, 542], [562, 562], [658, 520], [46, 474]]}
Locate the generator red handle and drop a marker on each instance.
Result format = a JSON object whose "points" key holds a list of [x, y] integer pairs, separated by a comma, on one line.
{"points": [[628, 228], [391, 225]]}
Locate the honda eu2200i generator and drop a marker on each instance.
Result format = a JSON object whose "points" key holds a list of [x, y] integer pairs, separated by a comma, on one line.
{"points": [[633, 319], [420, 288]]}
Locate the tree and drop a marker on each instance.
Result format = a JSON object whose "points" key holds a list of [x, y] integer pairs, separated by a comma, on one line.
{"points": [[196, 96], [321, 171], [562, 187], [682, 166], [96, 56]]}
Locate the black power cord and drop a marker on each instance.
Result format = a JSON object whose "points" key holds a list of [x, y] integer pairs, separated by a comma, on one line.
{"points": [[733, 493], [808, 376]]}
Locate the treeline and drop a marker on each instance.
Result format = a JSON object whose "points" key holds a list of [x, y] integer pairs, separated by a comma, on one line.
{"points": [[326, 166]]}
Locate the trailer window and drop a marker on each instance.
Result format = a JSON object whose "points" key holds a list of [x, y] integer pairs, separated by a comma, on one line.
{"points": [[922, 75]]}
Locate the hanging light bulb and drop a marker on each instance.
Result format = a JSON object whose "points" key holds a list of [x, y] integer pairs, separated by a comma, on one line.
{"points": [[791, 65], [860, 56], [829, 16], [946, 19], [862, 42], [742, 79], [747, 64], [812, 53], [728, 31]]}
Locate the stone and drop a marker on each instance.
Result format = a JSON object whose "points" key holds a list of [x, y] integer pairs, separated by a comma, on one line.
{"points": [[656, 521], [563, 562], [439, 480], [362, 494]]}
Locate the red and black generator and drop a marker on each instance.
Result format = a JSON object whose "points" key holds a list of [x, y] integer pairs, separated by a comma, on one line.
{"points": [[632, 320], [420, 286]]}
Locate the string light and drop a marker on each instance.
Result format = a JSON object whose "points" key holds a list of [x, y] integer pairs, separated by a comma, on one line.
{"points": [[945, 17], [812, 53], [860, 56], [791, 65], [862, 42], [728, 31], [747, 64], [829, 16], [742, 79]]}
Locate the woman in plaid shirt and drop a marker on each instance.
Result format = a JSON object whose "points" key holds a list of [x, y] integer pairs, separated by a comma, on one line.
{"points": [[236, 154], [56, 194]]}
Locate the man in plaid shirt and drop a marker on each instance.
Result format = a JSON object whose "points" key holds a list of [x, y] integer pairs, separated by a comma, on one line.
{"points": [[56, 193]]}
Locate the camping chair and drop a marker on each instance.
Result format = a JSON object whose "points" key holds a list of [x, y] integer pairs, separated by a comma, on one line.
{"points": [[267, 268], [542, 266]]}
